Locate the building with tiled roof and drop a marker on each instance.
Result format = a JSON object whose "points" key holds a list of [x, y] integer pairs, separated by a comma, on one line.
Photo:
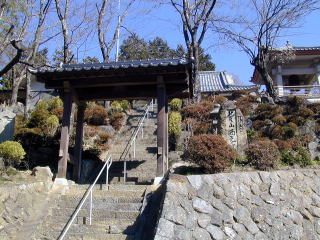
{"points": [[212, 82], [299, 76]]}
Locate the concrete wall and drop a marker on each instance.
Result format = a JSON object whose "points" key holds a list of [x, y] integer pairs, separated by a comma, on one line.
{"points": [[247, 205]]}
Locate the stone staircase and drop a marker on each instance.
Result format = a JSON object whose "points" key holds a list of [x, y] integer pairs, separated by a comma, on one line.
{"points": [[141, 169], [114, 215], [116, 211]]}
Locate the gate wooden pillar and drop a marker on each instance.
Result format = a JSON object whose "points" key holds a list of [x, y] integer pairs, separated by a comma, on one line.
{"points": [[65, 132], [78, 143], [162, 130]]}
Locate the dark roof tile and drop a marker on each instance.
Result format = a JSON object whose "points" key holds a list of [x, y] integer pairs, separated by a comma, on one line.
{"points": [[116, 65]]}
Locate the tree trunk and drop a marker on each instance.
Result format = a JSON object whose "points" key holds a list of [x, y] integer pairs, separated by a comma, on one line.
{"points": [[267, 80], [27, 104], [195, 75], [15, 87]]}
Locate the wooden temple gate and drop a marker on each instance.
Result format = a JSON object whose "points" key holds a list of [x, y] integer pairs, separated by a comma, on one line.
{"points": [[131, 80]]}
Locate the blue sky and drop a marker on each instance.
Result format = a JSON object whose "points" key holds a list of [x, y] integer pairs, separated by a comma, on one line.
{"points": [[165, 22]]}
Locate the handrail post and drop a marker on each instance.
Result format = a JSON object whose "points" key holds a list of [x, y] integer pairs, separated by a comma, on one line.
{"points": [[90, 210], [142, 131], [134, 148], [151, 104], [107, 178], [125, 170]]}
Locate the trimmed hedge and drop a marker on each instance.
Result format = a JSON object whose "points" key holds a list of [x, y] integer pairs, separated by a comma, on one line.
{"points": [[263, 154], [175, 104], [96, 115], [210, 151], [12, 152]]}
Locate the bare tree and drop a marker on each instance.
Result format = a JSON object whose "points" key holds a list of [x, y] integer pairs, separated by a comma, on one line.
{"points": [[31, 52], [13, 26], [258, 25], [104, 25], [195, 16], [63, 18]]}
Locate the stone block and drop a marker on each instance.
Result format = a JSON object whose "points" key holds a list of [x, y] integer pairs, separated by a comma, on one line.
{"points": [[202, 206], [165, 228], [216, 233], [201, 234]]}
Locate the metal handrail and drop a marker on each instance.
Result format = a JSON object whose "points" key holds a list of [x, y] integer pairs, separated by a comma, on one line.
{"points": [[132, 140], [89, 191]]}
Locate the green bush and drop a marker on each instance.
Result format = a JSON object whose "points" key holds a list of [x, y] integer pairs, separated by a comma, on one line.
{"points": [[175, 104], [125, 105], [174, 128], [298, 155], [210, 151], [55, 102], [296, 119], [116, 106], [174, 123], [42, 105], [305, 112], [303, 156], [51, 125], [289, 132], [12, 152], [263, 154], [296, 102], [58, 112], [38, 118]]}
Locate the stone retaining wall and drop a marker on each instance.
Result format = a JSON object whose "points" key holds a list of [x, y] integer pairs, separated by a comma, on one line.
{"points": [[248, 205]]}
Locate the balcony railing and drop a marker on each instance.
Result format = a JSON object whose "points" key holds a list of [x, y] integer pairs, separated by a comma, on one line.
{"points": [[306, 91]]}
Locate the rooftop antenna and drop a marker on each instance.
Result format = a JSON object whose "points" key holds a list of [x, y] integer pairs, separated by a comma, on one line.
{"points": [[118, 31]]}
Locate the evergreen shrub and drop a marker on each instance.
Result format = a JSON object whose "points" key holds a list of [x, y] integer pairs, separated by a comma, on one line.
{"points": [[279, 119], [120, 106], [58, 112], [174, 128], [42, 105], [298, 155], [125, 105], [263, 154], [175, 104], [38, 118], [117, 120], [51, 125], [96, 115], [210, 151], [12, 152], [55, 102], [174, 122], [199, 111]]}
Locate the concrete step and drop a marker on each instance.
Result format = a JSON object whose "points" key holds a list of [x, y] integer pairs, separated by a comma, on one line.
{"points": [[100, 204], [84, 236], [73, 201], [102, 226], [138, 181], [122, 189], [99, 213]]}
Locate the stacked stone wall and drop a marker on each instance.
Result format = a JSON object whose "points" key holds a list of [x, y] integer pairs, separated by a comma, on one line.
{"points": [[247, 205]]}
